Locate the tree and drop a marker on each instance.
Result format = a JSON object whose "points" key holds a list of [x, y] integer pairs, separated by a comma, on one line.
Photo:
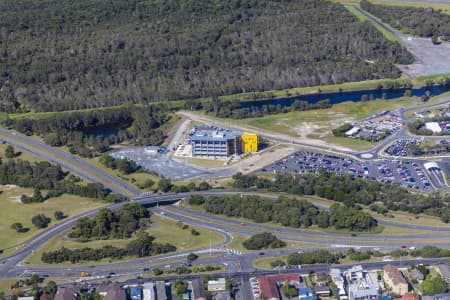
{"points": [[9, 151], [157, 272], [148, 183], [40, 221], [262, 241], [59, 215], [164, 185], [37, 196], [180, 287], [17, 227], [192, 256], [436, 285]]}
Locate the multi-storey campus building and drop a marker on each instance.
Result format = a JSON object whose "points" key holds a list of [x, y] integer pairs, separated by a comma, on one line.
{"points": [[215, 142]]}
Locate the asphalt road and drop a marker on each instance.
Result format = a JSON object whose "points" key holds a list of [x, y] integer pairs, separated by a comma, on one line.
{"points": [[70, 162], [225, 226]]}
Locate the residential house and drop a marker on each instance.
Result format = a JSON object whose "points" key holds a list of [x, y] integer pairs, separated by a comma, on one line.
{"points": [[416, 275], [444, 271], [136, 293], [149, 291], [111, 292], [410, 297], [161, 293], [216, 285], [442, 297], [221, 295], [322, 290], [305, 294], [395, 280], [67, 293], [338, 279], [268, 288], [269, 285], [198, 290], [362, 285]]}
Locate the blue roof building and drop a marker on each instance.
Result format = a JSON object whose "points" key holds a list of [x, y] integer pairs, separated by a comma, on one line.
{"points": [[136, 293]]}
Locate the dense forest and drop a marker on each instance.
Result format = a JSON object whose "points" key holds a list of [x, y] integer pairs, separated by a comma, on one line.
{"points": [[91, 132], [287, 212], [65, 55], [351, 191], [424, 22]]}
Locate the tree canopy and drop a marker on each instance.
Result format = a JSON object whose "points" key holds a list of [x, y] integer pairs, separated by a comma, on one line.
{"points": [[64, 55]]}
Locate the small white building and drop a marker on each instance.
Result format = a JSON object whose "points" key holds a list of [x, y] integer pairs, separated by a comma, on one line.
{"points": [[433, 126], [352, 131], [216, 285]]}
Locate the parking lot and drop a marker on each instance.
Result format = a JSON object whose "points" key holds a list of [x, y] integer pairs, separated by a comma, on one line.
{"points": [[161, 163], [405, 173]]}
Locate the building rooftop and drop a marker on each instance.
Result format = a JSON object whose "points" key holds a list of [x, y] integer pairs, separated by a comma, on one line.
{"points": [[111, 292], [444, 270], [394, 274], [212, 134]]}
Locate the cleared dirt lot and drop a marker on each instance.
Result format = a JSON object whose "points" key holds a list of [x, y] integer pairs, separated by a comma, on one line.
{"points": [[432, 59]]}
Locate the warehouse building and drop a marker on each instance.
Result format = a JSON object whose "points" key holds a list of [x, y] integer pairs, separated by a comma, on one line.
{"points": [[212, 142]]}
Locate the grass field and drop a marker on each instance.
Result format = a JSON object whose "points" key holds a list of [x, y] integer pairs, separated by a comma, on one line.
{"points": [[13, 211], [317, 124], [164, 231], [363, 18]]}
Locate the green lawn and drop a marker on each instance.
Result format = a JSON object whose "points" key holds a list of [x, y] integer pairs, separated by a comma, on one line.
{"points": [[13, 211], [164, 231]]}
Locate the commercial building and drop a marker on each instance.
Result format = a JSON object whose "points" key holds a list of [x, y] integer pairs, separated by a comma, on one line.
{"points": [[217, 285], [338, 279], [362, 285], [395, 280], [249, 142], [214, 142]]}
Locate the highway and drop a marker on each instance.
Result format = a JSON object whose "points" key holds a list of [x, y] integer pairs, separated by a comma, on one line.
{"points": [[88, 172], [70, 162], [223, 226]]}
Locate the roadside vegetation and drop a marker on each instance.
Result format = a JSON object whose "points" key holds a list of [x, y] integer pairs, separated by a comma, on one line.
{"points": [[287, 212], [263, 240], [350, 256], [351, 192], [160, 230]]}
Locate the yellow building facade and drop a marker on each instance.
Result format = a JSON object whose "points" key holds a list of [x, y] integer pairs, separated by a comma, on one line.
{"points": [[249, 142]]}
